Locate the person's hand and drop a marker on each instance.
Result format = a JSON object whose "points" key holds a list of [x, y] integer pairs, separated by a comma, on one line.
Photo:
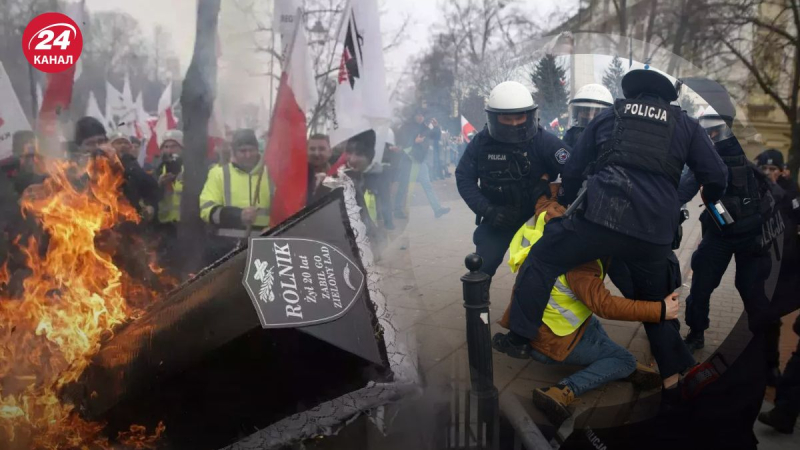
{"points": [[419, 139], [165, 179], [394, 148], [148, 213], [249, 215], [502, 218], [672, 306], [434, 122]]}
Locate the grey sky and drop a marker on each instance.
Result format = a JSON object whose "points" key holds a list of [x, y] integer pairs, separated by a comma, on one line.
{"points": [[178, 17]]}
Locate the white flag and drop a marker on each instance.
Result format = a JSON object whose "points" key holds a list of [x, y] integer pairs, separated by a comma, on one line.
{"points": [[301, 72], [284, 15], [39, 97], [93, 108], [361, 101], [115, 107], [12, 118]]}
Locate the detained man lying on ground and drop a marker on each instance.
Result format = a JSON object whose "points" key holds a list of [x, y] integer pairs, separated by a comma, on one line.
{"points": [[571, 335]]}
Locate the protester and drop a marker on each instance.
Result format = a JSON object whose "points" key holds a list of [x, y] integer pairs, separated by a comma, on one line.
{"points": [[405, 140], [28, 166], [140, 189], [90, 135], [570, 334], [418, 152], [319, 161], [783, 416], [236, 197]]}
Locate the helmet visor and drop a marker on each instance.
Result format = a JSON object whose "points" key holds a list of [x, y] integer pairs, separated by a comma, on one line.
{"points": [[580, 114], [513, 128], [716, 128]]}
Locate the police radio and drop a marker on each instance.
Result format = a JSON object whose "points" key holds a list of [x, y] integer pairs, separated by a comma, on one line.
{"points": [[722, 218]]}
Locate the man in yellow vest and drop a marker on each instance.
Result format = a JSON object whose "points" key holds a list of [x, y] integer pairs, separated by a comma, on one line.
{"points": [[570, 334], [236, 197]]}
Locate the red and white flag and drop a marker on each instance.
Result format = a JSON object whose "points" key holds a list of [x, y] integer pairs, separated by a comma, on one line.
{"points": [[166, 121], [554, 124], [12, 118], [466, 128], [286, 155], [58, 94]]}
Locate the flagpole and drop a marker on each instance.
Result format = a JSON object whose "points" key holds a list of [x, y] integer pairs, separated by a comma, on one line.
{"points": [[286, 66]]}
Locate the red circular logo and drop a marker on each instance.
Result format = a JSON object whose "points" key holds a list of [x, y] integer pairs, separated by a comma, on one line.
{"points": [[52, 42]]}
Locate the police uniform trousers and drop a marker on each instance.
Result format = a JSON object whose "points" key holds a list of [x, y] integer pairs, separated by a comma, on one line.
{"points": [[492, 243], [709, 263], [570, 242]]}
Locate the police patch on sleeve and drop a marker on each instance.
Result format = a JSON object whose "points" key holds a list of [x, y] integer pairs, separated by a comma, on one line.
{"points": [[562, 155]]}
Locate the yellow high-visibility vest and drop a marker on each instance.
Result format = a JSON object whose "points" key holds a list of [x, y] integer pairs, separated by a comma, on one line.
{"points": [[564, 312], [227, 185], [169, 208]]}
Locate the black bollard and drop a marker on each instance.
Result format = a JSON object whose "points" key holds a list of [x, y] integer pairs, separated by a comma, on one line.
{"points": [[479, 348]]}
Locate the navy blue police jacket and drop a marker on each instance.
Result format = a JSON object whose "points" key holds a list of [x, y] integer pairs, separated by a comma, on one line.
{"points": [[638, 203], [546, 153]]}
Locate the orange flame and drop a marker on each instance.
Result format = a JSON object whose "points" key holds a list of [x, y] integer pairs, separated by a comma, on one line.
{"points": [[72, 301]]}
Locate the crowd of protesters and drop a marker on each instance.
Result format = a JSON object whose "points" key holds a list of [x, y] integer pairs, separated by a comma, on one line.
{"points": [[235, 200]]}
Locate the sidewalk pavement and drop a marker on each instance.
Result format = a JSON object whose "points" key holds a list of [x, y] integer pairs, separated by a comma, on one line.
{"points": [[423, 265]]}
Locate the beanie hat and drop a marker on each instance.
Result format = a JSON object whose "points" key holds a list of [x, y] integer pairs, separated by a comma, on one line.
{"points": [[87, 127], [770, 157], [117, 135], [20, 139], [244, 136], [173, 135]]}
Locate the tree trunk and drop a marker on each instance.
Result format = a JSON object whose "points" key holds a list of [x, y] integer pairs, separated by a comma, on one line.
{"points": [[794, 149], [197, 101]]}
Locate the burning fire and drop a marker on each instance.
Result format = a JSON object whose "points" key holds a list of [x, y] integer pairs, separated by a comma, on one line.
{"points": [[73, 298]]}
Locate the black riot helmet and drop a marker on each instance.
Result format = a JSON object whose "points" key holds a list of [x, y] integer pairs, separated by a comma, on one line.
{"points": [[645, 81], [521, 121], [718, 117]]}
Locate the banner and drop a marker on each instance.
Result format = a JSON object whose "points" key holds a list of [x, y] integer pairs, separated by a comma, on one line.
{"points": [[361, 101]]}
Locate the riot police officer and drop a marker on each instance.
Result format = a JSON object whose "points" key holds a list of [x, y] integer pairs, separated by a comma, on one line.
{"points": [[633, 153], [502, 172], [745, 200], [588, 102]]}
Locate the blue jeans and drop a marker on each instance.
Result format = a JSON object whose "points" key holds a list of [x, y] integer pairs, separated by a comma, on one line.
{"points": [[605, 360], [424, 179]]}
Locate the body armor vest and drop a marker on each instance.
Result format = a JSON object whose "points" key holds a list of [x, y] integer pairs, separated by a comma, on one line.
{"points": [[507, 176], [641, 139], [742, 197]]}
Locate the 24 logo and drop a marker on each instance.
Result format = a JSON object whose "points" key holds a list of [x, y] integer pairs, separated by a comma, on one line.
{"points": [[52, 42]]}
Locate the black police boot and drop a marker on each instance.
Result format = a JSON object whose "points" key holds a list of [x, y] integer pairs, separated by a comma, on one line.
{"points": [[780, 420], [694, 340], [400, 215]]}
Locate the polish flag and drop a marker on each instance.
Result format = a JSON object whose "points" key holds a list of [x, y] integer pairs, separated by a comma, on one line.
{"points": [[554, 124], [286, 154], [466, 128], [166, 121]]}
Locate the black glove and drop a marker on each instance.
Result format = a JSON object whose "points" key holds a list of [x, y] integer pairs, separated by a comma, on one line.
{"points": [[502, 217]]}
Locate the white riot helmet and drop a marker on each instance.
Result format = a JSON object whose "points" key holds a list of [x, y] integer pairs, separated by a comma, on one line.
{"points": [[716, 125], [512, 99], [588, 102]]}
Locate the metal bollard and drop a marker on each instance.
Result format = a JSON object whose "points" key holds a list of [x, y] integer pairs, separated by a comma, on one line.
{"points": [[479, 346]]}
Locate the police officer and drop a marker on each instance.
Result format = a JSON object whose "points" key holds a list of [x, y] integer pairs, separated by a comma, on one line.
{"points": [[741, 239], [500, 174], [588, 102], [633, 153]]}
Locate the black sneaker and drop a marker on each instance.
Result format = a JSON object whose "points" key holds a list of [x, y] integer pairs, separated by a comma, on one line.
{"points": [[400, 215], [694, 340], [782, 422], [502, 343], [441, 212]]}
